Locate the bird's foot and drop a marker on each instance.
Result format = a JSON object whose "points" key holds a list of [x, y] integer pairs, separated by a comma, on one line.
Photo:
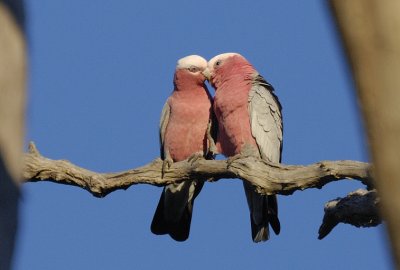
{"points": [[195, 157], [245, 152], [233, 158], [213, 150], [167, 163]]}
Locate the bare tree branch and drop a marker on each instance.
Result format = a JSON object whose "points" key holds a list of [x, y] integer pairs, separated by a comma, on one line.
{"points": [[268, 178], [359, 208]]}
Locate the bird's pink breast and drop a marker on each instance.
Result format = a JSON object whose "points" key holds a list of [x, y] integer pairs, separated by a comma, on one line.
{"points": [[231, 109], [188, 122]]}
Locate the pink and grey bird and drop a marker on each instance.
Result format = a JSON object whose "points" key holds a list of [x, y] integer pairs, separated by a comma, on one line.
{"points": [[249, 123], [184, 126]]}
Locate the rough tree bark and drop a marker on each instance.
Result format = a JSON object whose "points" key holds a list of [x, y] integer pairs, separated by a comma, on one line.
{"points": [[371, 34], [266, 177], [359, 208], [12, 109]]}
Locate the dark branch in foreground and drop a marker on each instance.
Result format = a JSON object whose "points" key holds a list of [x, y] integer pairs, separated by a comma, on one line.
{"points": [[268, 178], [359, 208]]}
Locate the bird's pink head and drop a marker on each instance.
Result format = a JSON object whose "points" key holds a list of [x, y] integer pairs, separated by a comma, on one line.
{"points": [[189, 72], [226, 65]]}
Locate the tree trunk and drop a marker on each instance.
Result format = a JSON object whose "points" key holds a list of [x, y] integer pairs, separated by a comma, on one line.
{"points": [[371, 33], [12, 109]]}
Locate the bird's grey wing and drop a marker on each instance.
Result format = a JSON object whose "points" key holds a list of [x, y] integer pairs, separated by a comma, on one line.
{"points": [[266, 127], [163, 126], [266, 119], [174, 211]]}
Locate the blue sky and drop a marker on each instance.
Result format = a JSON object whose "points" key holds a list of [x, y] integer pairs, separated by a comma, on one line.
{"points": [[100, 72]]}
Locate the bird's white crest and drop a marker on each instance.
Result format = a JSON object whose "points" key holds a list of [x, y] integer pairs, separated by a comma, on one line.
{"points": [[192, 60], [221, 57]]}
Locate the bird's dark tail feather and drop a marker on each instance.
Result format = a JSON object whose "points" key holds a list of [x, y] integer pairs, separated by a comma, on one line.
{"points": [[179, 230], [273, 219], [260, 232], [159, 224]]}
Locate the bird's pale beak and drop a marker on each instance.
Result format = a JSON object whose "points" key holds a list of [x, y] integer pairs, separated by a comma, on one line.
{"points": [[207, 74]]}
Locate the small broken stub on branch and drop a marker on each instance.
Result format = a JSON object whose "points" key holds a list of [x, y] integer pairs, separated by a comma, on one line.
{"points": [[358, 208]]}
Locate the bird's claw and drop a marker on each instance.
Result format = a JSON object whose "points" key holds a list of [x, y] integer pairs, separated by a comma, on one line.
{"points": [[195, 157], [247, 151], [233, 158], [167, 163], [213, 150]]}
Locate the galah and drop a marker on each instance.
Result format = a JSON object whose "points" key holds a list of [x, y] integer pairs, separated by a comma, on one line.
{"points": [[249, 123], [184, 133]]}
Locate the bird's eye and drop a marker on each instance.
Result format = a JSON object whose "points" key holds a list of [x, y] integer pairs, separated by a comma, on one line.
{"points": [[218, 63], [193, 69]]}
